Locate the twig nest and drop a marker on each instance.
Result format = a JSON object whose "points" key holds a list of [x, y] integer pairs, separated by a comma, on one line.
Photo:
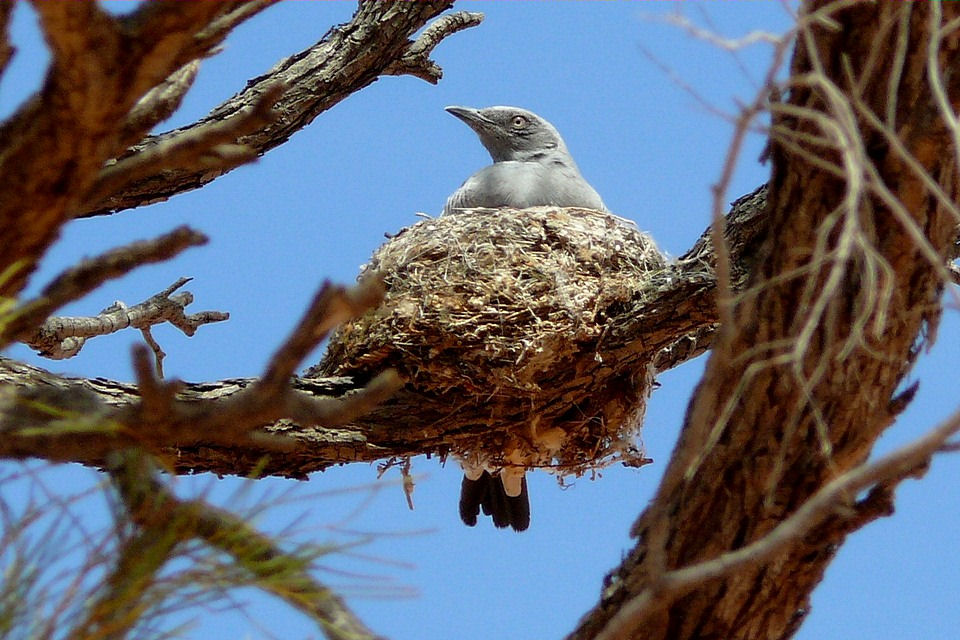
{"points": [[506, 309]]}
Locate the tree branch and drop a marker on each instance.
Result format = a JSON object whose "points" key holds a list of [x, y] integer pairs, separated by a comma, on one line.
{"points": [[416, 61], [63, 336], [86, 420], [835, 497], [348, 58], [57, 142], [825, 330], [24, 322], [212, 148]]}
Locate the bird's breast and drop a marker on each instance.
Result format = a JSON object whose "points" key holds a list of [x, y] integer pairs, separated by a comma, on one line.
{"points": [[525, 184]]}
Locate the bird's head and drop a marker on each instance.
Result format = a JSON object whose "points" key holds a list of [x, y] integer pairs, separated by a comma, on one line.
{"points": [[511, 133]]}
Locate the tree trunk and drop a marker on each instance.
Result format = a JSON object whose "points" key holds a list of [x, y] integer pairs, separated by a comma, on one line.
{"points": [[805, 379]]}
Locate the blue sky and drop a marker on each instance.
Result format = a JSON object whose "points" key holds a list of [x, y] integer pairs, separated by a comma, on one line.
{"points": [[318, 206]]}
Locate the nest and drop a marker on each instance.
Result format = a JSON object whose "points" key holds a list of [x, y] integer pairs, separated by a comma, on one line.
{"points": [[504, 312]]}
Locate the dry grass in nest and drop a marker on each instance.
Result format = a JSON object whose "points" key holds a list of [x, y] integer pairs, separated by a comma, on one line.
{"points": [[509, 308]]}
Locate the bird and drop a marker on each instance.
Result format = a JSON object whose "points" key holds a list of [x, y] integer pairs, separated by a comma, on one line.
{"points": [[531, 167], [531, 164]]}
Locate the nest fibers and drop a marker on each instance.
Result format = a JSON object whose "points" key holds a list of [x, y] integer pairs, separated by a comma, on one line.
{"points": [[498, 317]]}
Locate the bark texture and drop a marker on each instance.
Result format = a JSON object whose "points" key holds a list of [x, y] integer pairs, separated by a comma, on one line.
{"points": [[79, 147], [347, 59], [799, 388]]}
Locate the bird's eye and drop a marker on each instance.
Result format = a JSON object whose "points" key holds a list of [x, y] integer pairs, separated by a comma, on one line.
{"points": [[518, 122]]}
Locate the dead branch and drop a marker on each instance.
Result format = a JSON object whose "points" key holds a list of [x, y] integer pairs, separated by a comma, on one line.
{"points": [[211, 148], [416, 61], [89, 419], [24, 322], [63, 336]]}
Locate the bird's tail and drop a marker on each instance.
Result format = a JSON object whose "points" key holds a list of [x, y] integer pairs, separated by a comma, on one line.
{"points": [[487, 492]]}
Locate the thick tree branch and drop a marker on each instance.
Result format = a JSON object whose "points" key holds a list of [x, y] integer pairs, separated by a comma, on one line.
{"points": [[55, 145], [349, 58], [86, 420], [833, 500]]}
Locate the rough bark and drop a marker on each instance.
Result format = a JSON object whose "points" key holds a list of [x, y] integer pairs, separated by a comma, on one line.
{"points": [[799, 388], [67, 151], [55, 145], [347, 59]]}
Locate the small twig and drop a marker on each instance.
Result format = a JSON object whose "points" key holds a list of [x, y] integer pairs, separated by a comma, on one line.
{"points": [[158, 353], [63, 336], [416, 61], [78, 281], [715, 39], [408, 483], [213, 146], [721, 250]]}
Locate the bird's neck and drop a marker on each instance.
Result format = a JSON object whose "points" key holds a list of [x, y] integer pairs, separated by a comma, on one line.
{"points": [[543, 157]]}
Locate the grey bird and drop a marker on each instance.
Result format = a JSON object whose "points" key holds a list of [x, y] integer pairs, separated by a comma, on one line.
{"points": [[531, 167]]}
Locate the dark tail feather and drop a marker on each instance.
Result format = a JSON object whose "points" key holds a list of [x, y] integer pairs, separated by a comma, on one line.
{"points": [[471, 496], [487, 493]]}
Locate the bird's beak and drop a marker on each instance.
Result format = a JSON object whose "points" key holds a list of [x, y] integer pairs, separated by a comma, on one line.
{"points": [[470, 116]]}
